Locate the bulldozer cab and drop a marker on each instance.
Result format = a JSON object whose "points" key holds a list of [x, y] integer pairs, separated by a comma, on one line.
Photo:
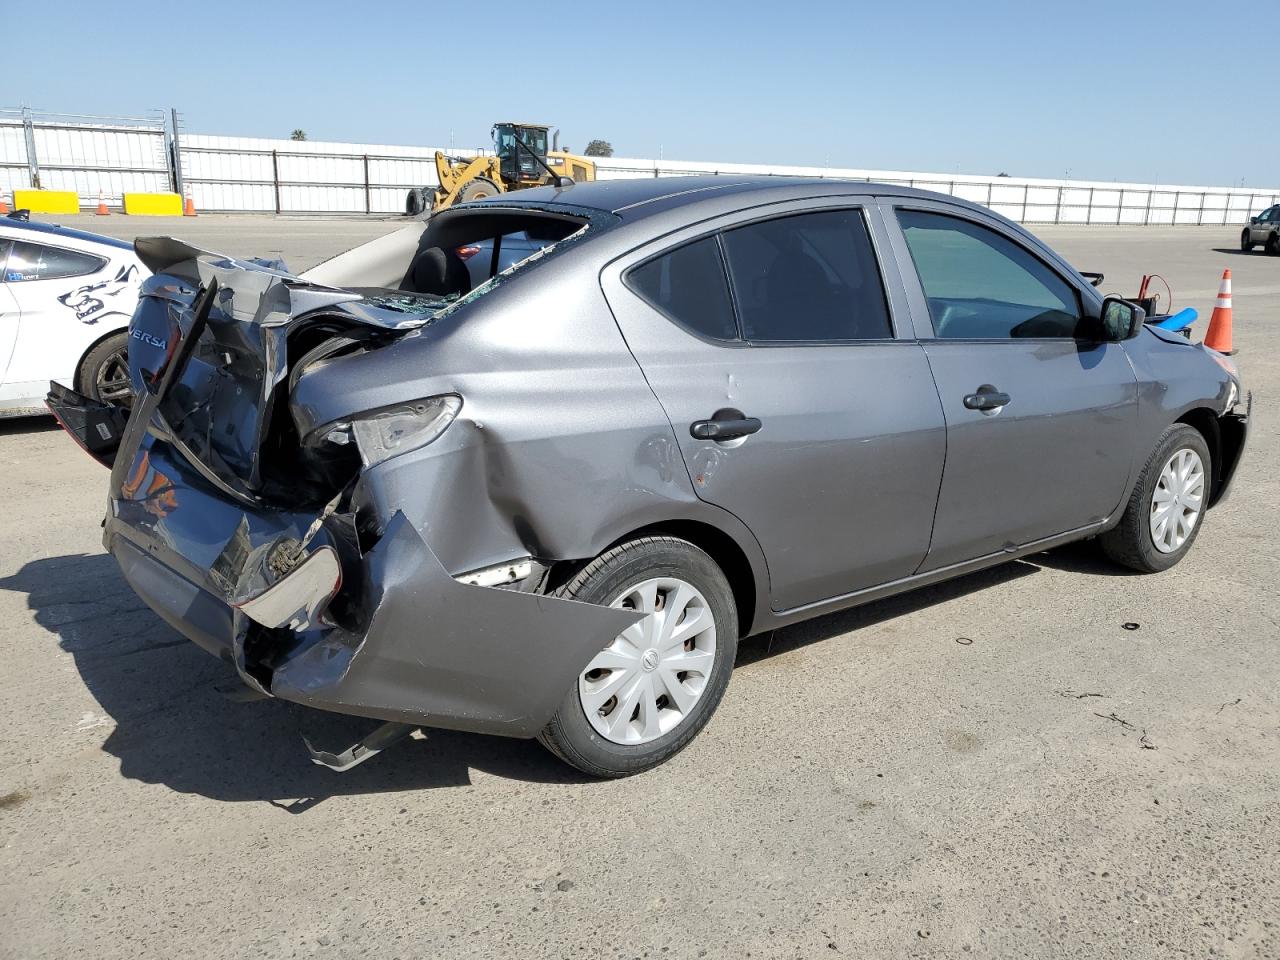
{"points": [[519, 147]]}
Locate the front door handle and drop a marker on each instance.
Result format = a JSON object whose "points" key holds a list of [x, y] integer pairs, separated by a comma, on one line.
{"points": [[987, 398], [726, 424]]}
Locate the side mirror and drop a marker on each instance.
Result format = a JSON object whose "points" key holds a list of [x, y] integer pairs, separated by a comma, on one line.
{"points": [[1253, 219], [1121, 320]]}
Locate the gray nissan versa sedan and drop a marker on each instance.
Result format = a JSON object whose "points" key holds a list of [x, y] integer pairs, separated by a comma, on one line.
{"points": [[550, 505]]}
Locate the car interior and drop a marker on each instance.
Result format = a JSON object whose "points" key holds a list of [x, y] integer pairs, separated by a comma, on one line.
{"points": [[438, 269], [403, 261], [981, 286]]}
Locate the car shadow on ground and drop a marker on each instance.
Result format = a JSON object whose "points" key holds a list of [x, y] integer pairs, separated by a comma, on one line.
{"points": [[22, 426], [763, 646], [1083, 556], [1241, 253], [172, 727]]}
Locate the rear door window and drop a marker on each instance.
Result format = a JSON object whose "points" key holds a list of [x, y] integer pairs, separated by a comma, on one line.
{"points": [[688, 285], [808, 277], [981, 285], [36, 261]]}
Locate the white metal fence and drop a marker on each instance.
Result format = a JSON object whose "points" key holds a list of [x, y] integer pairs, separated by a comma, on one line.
{"points": [[114, 155], [239, 174], [1024, 200], [302, 176]]}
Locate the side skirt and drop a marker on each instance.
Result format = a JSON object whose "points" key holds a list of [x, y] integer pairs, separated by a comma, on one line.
{"points": [[782, 618]]}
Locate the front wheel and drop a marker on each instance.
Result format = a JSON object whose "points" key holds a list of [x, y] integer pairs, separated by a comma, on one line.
{"points": [[478, 189], [1167, 506], [646, 695], [1246, 245]]}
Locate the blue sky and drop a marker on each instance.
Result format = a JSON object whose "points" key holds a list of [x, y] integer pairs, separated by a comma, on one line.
{"points": [[1173, 92]]}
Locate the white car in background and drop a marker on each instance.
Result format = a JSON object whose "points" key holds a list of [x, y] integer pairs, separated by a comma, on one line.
{"points": [[66, 298]]}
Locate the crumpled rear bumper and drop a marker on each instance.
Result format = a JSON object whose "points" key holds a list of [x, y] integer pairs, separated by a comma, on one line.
{"points": [[448, 654], [412, 643]]}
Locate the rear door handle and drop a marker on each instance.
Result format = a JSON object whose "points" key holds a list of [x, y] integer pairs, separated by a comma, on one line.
{"points": [[987, 398], [726, 424]]}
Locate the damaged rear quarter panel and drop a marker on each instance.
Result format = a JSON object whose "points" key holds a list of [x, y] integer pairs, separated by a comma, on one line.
{"points": [[558, 432], [560, 448]]}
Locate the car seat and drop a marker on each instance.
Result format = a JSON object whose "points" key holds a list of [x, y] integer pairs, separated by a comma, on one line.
{"points": [[436, 271]]}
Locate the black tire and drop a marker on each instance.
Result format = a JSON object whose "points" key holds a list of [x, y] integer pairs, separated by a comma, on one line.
{"points": [[103, 374], [478, 189], [1273, 243], [1130, 543], [1246, 245], [570, 735], [417, 201]]}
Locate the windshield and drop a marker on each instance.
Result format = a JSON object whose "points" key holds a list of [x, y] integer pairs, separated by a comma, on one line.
{"points": [[507, 147]]}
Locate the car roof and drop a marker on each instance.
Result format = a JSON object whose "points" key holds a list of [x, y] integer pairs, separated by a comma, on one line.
{"points": [[57, 230], [640, 197]]}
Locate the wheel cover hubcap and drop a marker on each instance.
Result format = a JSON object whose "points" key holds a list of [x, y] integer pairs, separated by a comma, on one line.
{"points": [[1177, 500], [649, 679]]}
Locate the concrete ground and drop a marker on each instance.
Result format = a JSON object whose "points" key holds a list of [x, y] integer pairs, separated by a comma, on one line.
{"points": [[991, 767], [302, 242]]}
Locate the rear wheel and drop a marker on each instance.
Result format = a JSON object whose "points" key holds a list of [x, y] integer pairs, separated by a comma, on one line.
{"points": [[648, 693], [478, 189], [1273, 243], [104, 372], [1245, 243], [1167, 505]]}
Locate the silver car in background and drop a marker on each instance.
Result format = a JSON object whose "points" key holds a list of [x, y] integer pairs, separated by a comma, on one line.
{"points": [[1263, 231], [550, 503]]}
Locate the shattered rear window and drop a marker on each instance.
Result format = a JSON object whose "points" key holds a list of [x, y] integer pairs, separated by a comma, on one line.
{"points": [[404, 302], [532, 226]]}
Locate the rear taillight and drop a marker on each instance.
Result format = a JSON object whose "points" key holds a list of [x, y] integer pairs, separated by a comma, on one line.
{"points": [[468, 251], [95, 427], [82, 439], [382, 434]]}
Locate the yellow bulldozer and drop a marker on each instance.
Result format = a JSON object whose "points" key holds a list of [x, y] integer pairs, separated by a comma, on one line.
{"points": [[520, 159]]}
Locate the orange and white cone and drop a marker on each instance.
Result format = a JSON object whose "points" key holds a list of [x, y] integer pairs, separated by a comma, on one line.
{"points": [[4, 207], [189, 208], [102, 206], [1219, 336]]}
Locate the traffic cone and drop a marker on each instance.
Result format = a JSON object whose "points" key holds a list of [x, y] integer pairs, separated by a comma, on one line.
{"points": [[1219, 336], [4, 206], [102, 206], [189, 208]]}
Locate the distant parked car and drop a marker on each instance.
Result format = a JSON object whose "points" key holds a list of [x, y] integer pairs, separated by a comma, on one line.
{"points": [[65, 301], [1264, 231], [550, 505]]}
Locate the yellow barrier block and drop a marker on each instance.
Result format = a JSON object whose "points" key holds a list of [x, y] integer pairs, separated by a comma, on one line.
{"points": [[153, 204], [46, 201]]}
